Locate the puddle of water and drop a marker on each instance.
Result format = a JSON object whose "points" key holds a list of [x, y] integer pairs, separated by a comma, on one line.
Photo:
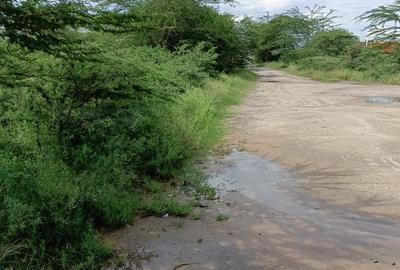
{"points": [[282, 80], [270, 78], [282, 227], [382, 100], [260, 180], [269, 81], [267, 183]]}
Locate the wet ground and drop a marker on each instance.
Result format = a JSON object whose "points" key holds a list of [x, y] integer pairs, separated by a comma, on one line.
{"points": [[382, 100], [298, 195], [342, 139], [269, 227]]}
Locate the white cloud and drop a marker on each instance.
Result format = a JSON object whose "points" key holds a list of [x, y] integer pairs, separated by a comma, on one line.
{"points": [[254, 5], [347, 9], [258, 7]]}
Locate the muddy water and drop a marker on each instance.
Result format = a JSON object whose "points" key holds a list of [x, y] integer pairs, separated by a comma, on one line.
{"points": [[382, 100], [270, 226], [260, 180], [327, 228]]}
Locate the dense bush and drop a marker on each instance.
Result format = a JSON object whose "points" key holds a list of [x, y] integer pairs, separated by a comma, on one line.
{"points": [[171, 23], [355, 63], [276, 38], [330, 43], [324, 63], [369, 59], [94, 117], [80, 138]]}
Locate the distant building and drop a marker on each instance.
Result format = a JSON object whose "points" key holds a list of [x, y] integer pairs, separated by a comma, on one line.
{"points": [[387, 47]]}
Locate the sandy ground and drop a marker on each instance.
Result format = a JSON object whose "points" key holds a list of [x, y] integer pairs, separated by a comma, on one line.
{"points": [[343, 148], [314, 186]]}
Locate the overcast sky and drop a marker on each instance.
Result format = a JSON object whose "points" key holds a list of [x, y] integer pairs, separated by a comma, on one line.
{"points": [[347, 9]]}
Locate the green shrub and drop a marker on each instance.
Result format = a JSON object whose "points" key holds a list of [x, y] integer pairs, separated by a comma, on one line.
{"points": [[330, 43], [222, 217], [176, 22], [42, 212], [323, 63], [155, 119], [96, 111], [161, 204]]}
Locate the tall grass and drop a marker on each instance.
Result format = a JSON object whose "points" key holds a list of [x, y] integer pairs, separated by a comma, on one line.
{"points": [[201, 111], [335, 75]]}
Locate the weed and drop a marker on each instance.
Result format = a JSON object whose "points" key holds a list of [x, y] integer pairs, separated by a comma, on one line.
{"points": [[222, 217], [196, 215], [160, 204]]}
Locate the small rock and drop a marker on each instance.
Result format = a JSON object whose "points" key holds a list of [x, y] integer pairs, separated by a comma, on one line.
{"points": [[375, 261], [394, 264], [203, 203], [229, 204], [200, 240]]}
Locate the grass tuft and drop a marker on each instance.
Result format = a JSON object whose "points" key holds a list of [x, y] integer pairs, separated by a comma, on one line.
{"points": [[222, 217]]}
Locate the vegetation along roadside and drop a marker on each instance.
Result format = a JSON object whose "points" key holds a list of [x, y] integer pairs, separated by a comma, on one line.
{"points": [[311, 44], [103, 110]]}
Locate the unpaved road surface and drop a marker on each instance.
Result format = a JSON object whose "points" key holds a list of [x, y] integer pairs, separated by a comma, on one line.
{"points": [[342, 147], [315, 185]]}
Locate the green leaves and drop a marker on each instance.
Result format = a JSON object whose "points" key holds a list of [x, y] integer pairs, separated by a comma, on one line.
{"points": [[172, 23], [330, 43], [384, 21], [39, 24], [96, 96], [292, 30]]}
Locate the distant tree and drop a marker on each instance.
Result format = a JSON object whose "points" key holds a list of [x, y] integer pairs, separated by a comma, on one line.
{"points": [[384, 21], [276, 38], [311, 21], [331, 43], [292, 30], [248, 33]]}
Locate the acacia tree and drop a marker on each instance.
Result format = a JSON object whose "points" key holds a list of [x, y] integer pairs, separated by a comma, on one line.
{"points": [[384, 21], [292, 30], [42, 25], [276, 38], [172, 23], [311, 21]]}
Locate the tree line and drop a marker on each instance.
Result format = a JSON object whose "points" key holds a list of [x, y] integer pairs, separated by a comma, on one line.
{"points": [[309, 42]]}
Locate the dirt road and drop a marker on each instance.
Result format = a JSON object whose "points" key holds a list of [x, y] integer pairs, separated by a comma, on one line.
{"points": [[341, 139], [315, 185]]}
